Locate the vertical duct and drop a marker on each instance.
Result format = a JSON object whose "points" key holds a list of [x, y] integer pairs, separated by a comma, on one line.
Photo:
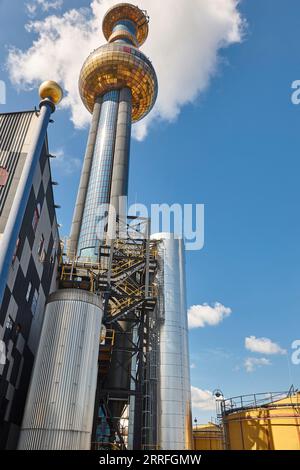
{"points": [[119, 184], [99, 185], [119, 375], [174, 415], [60, 403], [84, 181]]}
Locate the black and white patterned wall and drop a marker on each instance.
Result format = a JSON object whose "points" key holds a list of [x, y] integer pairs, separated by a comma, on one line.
{"points": [[33, 273]]}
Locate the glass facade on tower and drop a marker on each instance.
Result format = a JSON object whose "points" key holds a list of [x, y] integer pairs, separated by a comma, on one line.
{"points": [[118, 85], [98, 193]]}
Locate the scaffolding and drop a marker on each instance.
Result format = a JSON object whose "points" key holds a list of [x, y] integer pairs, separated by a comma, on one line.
{"points": [[124, 277]]}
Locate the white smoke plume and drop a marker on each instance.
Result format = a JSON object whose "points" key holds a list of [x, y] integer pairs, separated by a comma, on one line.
{"points": [[184, 43]]}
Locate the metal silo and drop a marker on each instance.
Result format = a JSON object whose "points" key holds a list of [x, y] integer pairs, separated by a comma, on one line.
{"points": [[174, 414], [263, 421], [60, 402]]}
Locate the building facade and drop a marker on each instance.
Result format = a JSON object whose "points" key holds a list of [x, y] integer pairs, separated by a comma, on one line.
{"points": [[33, 271]]}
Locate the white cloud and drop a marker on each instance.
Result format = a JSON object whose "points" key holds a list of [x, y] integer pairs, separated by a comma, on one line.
{"points": [[252, 363], [184, 43], [263, 346], [45, 5], [203, 399], [193, 366], [202, 315], [64, 163], [31, 9]]}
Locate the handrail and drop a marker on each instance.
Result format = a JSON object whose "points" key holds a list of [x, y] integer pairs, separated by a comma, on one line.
{"points": [[253, 401]]}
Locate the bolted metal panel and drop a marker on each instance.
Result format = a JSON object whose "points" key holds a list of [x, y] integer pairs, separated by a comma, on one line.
{"points": [[60, 402], [175, 425]]}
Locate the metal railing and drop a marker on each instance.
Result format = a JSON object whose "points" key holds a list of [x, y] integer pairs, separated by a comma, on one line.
{"points": [[257, 400]]}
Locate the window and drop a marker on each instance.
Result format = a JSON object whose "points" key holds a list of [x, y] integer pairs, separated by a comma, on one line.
{"points": [[36, 217], [28, 291], [34, 302], [41, 249], [3, 176]]}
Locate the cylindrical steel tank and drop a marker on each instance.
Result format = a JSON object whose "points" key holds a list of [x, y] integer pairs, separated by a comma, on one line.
{"points": [[174, 408], [208, 437], [60, 403], [273, 425]]}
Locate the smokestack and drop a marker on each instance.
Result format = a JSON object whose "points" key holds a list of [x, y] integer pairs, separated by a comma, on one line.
{"points": [[174, 403]]}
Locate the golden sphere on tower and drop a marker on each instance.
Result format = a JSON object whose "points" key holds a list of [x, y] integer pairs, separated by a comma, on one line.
{"points": [[126, 11], [116, 66], [51, 90], [120, 64]]}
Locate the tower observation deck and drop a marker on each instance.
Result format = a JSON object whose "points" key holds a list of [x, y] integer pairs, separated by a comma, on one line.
{"points": [[118, 85]]}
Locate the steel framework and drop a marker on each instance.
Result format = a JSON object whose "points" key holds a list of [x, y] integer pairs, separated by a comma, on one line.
{"points": [[124, 276]]}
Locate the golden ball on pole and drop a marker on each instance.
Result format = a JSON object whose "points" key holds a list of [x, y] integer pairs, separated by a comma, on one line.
{"points": [[52, 91]]}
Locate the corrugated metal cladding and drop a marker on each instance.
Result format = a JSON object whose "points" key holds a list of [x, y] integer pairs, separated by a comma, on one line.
{"points": [[175, 423], [13, 131], [60, 403]]}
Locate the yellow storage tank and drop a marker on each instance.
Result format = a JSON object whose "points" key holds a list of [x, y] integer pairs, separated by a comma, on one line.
{"points": [[208, 437], [262, 422]]}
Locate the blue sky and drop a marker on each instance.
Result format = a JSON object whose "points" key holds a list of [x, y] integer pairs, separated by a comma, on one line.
{"points": [[236, 150]]}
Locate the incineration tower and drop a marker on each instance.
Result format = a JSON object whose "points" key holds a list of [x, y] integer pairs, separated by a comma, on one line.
{"points": [[118, 85], [112, 368]]}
